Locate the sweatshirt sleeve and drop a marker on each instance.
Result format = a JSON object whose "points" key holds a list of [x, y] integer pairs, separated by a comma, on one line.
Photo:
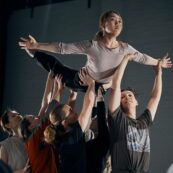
{"points": [[141, 57], [73, 48]]}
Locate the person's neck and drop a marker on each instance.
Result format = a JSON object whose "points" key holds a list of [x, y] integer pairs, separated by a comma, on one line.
{"points": [[131, 113], [110, 41], [15, 132]]}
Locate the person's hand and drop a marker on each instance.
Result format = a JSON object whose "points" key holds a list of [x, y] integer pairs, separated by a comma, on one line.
{"points": [[158, 68], [130, 56], [28, 43], [85, 77], [166, 61], [58, 82], [72, 93]]}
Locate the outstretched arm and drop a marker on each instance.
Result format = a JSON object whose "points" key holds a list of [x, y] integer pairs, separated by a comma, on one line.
{"points": [[31, 43], [88, 99], [47, 95], [157, 89], [166, 62], [115, 93]]}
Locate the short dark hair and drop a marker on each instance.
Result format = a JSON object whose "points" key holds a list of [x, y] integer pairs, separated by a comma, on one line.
{"points": [[132, 90]]}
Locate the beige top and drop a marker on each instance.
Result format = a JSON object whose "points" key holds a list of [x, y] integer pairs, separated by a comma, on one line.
{"points": [[101, 61], [15, 148]]}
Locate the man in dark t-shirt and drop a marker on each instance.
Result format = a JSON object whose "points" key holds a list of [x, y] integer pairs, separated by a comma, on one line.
{"points": [[129, 134]]}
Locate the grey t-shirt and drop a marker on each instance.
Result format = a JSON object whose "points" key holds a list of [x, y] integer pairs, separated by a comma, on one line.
{"points": [[130, 142], [101, 61]]}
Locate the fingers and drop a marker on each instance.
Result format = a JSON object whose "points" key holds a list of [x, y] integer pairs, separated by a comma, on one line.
{"points": [[166, 55], [58, 77], [23, 39], [22, 44], [31, 37], [82, 75], [166, 61]]}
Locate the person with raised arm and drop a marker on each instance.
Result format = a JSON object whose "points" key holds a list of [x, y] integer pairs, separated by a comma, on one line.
{"points": [[129, 133]]}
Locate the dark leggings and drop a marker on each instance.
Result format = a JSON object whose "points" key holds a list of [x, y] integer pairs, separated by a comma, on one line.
{"points": [[53, 65]]}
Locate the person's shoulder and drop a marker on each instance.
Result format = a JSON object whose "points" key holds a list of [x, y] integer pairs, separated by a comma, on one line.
{"points": [[7, 141], [117, 112], [146, 117]]}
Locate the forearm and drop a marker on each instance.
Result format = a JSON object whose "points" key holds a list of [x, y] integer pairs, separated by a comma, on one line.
{"points": [[47, 91], [72, 99], [50, 47], [87, 106], [157, 87], [90, 95], [148, 60], [117, 77], [155, 94]]}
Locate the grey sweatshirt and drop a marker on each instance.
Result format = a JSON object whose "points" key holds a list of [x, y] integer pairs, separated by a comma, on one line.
{"points": [[101, 61]]}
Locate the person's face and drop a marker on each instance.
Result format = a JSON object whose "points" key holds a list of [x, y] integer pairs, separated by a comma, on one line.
{"points": [[128, 100], [34, 121], [14, 119], [113, 25], [71, 115]]}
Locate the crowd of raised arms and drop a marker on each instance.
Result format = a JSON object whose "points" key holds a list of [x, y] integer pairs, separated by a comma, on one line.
{"points": [[99, 139]]}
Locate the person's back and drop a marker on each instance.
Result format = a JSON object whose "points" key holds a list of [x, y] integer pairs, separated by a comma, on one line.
{"points": [[71, 149]]}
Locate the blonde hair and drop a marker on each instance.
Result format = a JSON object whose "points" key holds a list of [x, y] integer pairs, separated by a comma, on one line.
{"points": [[51, 131], [49, 134]]}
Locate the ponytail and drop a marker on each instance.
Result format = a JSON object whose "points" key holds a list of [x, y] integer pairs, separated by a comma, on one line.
{"points": [[49, 134], [99, 35]]}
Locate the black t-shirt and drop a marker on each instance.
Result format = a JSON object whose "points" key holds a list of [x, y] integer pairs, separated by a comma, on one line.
{"points": [[130, 142], [71, 150]]}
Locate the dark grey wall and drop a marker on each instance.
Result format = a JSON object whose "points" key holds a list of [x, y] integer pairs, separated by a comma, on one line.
{"points": [[148, 27]]}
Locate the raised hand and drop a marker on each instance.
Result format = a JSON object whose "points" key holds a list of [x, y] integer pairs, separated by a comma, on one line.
{"points": [[28, 43], [166, 61], [58, 82], [130, 56], [85, 77]]}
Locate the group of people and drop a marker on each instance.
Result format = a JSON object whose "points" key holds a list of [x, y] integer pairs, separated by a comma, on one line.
{"points": [[107, 140]]}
